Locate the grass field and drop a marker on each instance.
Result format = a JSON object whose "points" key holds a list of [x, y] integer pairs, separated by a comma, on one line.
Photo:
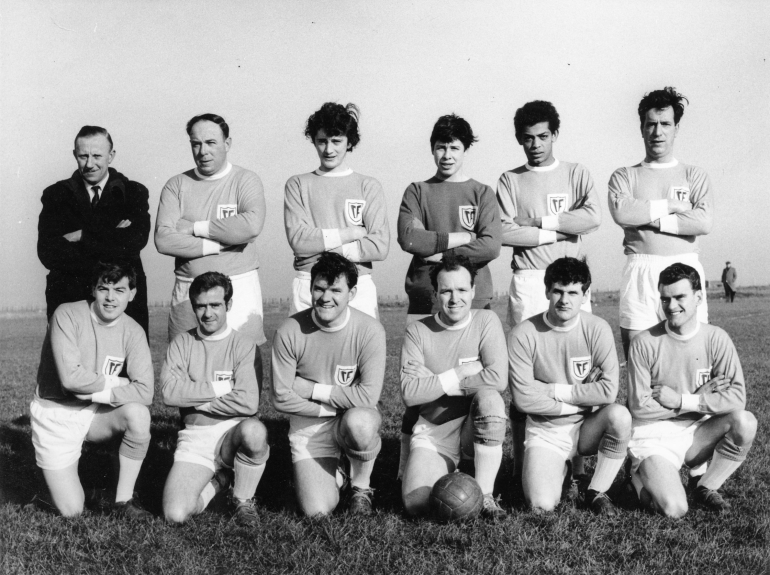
{"points": [[33, 539]]}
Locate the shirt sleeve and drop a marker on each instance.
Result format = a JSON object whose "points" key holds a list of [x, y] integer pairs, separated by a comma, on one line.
{"points": [[375, 244], [492, 354], [412, 235], [247, 224], [626, 210], [604, 390], [486, 246], [641, 404], [177, 387], [698, 220], [727, 363], [140, 372], [371, 364], [512, 233], [417, 390], [168, 241], [586, 215], [243, 399], [304, 237]]}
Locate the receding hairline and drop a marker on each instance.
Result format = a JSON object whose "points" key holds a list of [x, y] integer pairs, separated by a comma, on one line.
{"points": [[91, 136], [201, 120]]}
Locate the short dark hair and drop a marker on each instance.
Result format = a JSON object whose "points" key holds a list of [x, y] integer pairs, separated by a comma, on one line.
{"points": [[452, 263], [111, 272], [659, 99], [208, 281], [218, 120], [90, 131], [679, 271], [533, 113], [332, 265], [568, 271], [452, 127], [335, 120]]}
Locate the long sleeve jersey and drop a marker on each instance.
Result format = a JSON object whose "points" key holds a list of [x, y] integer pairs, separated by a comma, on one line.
{"points": [[541, 355], [429, 212], [639, 195], [346, 364], [317, 206], [684, 363], [443, 396], [564, 196], [83, 356], [228, 212], [210, 378]]}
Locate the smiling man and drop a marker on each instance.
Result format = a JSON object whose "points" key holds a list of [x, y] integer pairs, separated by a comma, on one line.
{"points": [[453, 371], [563, 373], [94, 384], [328, 370], [335, 209], [98, 213], [687, 395], [208, 219], [662, 205], [209, 375]]}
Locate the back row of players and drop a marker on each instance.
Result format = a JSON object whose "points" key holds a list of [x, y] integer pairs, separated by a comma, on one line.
{"points": [[328, 360]]}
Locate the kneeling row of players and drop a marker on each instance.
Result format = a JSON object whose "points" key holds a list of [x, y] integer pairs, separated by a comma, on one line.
{"points": [[686, 393]]}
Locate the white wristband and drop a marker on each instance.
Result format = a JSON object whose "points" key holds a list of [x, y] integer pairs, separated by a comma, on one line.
{"points": [[450, 382], [221, 387], [549, 223], [352, 252], [546, 237], [658, 209], [690, 402], [322, 392], [103, 396], [204, 407], [327, 411], [331, 239], [201, 229], [111, 381], [562, 392], [568, 409], [669, 224], [211, 247]]}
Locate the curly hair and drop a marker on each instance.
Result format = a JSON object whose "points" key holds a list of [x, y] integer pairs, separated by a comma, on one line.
{"points": [[533, 113], [335, 120], [452, 127], [332, 265], [659, 99]]}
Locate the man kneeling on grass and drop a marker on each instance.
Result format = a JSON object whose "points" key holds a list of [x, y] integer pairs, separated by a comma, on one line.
{"points": [[687, 395], [453, 369], [94, 383], [209, 374], [328, 369], [563, 366]]}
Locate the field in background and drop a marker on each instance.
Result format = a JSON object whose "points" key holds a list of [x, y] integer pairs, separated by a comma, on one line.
{"points": [[33, 539]]}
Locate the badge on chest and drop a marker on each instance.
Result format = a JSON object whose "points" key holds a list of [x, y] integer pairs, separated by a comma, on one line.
{"points": [[226, 211], [702, 377], [681, 193], [344, 375], [557, 203], [354, 211], [468, 217], [113, 365], [581, 366]]}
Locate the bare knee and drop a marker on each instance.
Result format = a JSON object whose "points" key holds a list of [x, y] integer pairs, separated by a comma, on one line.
{"points": [[417, 501], [253, 435], [137, 419], [318, 506], [618, 420], [673, 507], [360, 428], [541, 501], [174, 513], [743, 426], [70, 508]]}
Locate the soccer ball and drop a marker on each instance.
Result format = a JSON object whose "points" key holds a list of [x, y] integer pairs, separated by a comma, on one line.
{"points": [[456, 497]]}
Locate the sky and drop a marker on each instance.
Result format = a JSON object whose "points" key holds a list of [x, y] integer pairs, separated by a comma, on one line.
{"points": [[141, 69]]}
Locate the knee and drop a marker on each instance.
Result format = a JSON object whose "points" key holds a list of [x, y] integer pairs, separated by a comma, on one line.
{"points": [[318, 508], [137, 419], [175, 514], [360, 428], [618, 420], [488, 417], [71, 508], [253, 438], [488, 402], [541, 501], [743, 424], [675, 508], [417, 501]]}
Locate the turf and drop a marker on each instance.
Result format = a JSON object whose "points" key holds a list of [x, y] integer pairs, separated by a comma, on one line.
{"points": [[33, 539]]}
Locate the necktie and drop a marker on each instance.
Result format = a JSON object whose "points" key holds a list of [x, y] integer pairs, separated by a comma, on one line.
{"points": [[95, 199]]}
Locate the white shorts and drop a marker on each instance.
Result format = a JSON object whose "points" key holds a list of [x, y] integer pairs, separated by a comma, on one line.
{"points": [[314, 437], [639, 297], [245, 315], [561, 439], [444, 439], [58, 431], [201, 444], [526, 296], [365, 300], [668, 439]]}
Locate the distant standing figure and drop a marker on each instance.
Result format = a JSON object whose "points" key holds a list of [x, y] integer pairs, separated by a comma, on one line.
{"points": [[730, 281], [96, 214]]}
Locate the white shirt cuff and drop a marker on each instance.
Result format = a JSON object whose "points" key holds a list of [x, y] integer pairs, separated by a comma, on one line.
{"points": [[658, 209], [569, 409], [111, 381], [670, 224], [450, 383], [352, 251], [210, 247], [201, 229], [103, 396], [322, 392], [221, 387], [549, 222], [331, 239], [546, 237], [327, 411], [562, 392], [204, 407], [690, 402]]}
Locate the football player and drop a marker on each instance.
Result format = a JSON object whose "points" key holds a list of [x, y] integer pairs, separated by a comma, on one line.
{"points": [[209, 374], [687, 395], [453, 370], [335, 208], [328, 369], [563, 372], [94, 384], [546, 207]]}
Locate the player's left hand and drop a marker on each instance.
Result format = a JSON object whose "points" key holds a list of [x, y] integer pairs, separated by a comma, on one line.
{"points": [[594, 375], [74, 236], [303, 388], [526, 222], [435, 258], [715, 385], [666, 396], [123, 224], [415, 369], [83, 396], [184, 226]]}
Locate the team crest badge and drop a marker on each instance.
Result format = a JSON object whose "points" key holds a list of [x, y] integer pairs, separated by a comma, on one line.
{"points": [[468, 217], [226, 210], [223, 376], [680, 193], [464, 360], [557, 203], [345, 374], [354, 211], [113, 365], [581, 366], [702, 377]]}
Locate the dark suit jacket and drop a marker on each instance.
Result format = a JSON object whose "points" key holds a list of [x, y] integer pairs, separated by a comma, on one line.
{"points": [[67, 208]]}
